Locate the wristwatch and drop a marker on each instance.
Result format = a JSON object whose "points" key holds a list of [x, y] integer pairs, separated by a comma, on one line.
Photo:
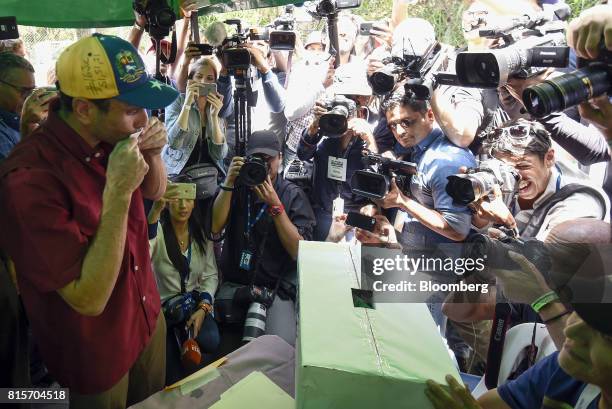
{"points": [[276, 210]]}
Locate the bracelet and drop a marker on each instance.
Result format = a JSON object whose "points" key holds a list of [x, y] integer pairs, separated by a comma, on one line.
{"points": [[556, 317], [138, 26], [544, 300], [226, 188]]}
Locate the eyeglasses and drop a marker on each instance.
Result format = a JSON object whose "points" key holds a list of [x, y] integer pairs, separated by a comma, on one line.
{"points": [[404, 123], [24, 91], [515, 132]]}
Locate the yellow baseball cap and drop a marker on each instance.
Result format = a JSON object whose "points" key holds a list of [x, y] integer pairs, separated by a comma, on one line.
{"points": [[102, 66]]}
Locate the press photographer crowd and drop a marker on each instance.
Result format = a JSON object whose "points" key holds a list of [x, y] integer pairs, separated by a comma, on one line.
{"points": [[154, 208]]}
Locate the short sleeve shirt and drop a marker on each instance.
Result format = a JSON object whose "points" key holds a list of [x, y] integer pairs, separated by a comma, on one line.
{"points": [[51, 190], [545, 386]]}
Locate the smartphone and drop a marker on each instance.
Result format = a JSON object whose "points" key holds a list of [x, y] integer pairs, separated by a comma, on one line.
{"points": [[184, 190], [206, 89], [365, 28], [360, 221]]}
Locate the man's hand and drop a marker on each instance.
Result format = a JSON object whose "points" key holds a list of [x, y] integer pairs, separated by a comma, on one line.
{"points": [[586, 32], [35, 110], [392, 199], [359, 127], [374, 64], [383, 232], [126, 167], [494, 210], [153, 137], [140, 19], [522, 286], [338, 229], [598, 111], [317, 111], [258, 58], [233, 171], [459, 397], [382, 33], [191, 52], [266, 192], [196, 319]]}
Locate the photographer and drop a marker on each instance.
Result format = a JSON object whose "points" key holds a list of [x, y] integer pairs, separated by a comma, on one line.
{"points": [[74, 225], [431, 216], [527, 147], [582, 337], [194, 128], [186, 271], [263, 226], [343, 152]]}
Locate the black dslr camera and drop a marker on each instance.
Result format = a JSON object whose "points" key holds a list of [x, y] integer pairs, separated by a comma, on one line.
{"points": [[375, 184], [334, 123], [495, 252], [324, 8], [160, 17], [592, 79], [479, 182], [530, 42], [254, 171], [259, 300]]}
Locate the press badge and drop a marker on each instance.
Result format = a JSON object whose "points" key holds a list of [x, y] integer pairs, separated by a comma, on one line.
{"points": [[245, 260], [338, 207], [336, 168]]}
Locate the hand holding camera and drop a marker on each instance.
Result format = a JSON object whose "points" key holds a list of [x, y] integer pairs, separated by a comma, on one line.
{"points": [[192, 51], [233, 171], [359, 127], [267, 194], [126, 167], [494, 210], [36, 108], [258, 59]]}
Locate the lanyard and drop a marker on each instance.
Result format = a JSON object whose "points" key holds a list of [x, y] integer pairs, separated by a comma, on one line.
{"points": [[249, 223], [588, 395]]}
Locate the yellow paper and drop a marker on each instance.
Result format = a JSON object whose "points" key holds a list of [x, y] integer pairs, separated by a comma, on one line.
{"points": [[202, 372], [256, 387]]}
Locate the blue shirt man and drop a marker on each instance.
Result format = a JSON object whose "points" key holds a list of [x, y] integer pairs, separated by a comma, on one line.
{"points": [[9, 132], [430, 215]]}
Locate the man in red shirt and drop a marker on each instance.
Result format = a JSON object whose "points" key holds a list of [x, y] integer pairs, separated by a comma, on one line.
{"points": [[71, 210]]}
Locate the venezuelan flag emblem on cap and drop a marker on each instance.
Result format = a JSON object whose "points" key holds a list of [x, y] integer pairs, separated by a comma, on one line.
{"points": [[102, 66]]}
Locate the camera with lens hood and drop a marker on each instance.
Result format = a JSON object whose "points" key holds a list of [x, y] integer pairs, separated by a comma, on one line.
{"points": [[160, 17], [334, 123]]}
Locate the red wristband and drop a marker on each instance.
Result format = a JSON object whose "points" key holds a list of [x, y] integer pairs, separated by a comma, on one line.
{"points": [[276, 210]]}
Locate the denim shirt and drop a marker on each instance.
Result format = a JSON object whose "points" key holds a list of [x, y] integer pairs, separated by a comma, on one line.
{"points": [[181, 143], [9, 132], [436, 158]]}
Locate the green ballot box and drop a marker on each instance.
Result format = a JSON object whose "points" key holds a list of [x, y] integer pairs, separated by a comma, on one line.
{"points": [[358, 357]]}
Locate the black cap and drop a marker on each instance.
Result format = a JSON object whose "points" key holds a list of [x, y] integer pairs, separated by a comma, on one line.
{"points": [[263, 142]]}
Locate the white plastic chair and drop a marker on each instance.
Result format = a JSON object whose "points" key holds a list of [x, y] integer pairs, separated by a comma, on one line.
{"points": [[518, 338]]}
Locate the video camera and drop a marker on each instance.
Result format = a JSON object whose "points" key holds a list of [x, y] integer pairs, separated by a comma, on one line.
{"points": [[529, 44], [334, 123], [282, 37], [160, 17], [592, 79], [375, 184], [480, 182], [423, 73]]}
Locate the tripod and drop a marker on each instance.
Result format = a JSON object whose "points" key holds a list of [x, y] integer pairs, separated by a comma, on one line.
{"points": [[242, 112]]}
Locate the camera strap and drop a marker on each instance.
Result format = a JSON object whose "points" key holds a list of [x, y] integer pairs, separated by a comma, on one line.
{"points": [[179, 261], [501, 323]]}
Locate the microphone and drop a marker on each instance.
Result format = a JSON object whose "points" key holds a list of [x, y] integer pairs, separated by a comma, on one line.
{"points": [[191, 356]]}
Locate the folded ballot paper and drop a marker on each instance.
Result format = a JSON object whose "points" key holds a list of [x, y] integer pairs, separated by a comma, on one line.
{"points": [[255, 390], [352, 356]]}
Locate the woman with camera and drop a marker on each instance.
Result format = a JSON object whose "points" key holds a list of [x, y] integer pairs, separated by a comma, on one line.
{"points": [[195, 133], [184, 264]]}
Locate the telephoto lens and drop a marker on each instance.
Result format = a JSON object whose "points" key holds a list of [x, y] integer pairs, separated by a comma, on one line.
{"points": [[465, 189], [568, 90], [383, 80], [255, 323]]}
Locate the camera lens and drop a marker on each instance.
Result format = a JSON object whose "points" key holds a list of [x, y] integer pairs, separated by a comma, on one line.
{"points": [[460, 189], [255, 323], [567, 90], [254, 171], [478, 69], [333, 123], [382, 81], [369, 184]]}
